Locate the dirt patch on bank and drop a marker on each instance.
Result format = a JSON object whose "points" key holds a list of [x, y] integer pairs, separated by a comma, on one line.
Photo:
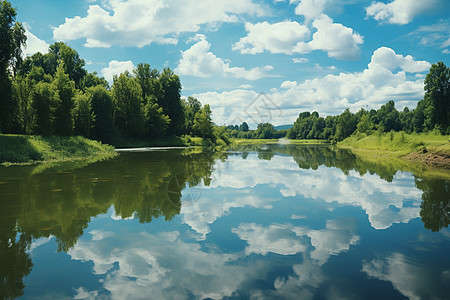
{"points": [[431, 158]]}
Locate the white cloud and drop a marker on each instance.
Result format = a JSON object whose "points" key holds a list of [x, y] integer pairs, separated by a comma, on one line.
{"points": [[413, 280], [199, 61], [300, 60], [399, 11], [115, 68], [275, 238], [311, 9], [280, 37], [287, 37], [384, 78], [33, 44], [388, 59], [383, 202], [136, 263], [338, 41], [142, 22]]}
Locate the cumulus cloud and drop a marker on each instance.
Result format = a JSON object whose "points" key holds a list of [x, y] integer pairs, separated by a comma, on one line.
{"points": [[413, 280], [142, 22], [384, 203], [199, 61], [399, 11], [280, 37], [33, 44], [115, 68], [311, 9], [387, 76], [287, 37]]}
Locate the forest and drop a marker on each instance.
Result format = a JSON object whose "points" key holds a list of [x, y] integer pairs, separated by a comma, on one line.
{"points": [[53, 94]]}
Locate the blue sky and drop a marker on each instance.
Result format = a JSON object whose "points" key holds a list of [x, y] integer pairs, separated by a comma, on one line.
{"points": [[254, 60]]}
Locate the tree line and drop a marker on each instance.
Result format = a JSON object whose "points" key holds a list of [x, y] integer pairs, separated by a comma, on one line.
{"points": [[53, 94], [431, 113]]}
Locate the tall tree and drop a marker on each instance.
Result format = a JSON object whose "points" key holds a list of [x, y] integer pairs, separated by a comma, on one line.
{"points": [[64, 111], [437, 93], [170, 100], [43, 104], [12, 38], [345, 125], [22, 87], [83, 115], [127, 97], [103, 110]]}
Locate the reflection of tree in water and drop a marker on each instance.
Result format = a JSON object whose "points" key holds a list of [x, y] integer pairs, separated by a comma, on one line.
{"points": [[435, 207], [15, 262]]}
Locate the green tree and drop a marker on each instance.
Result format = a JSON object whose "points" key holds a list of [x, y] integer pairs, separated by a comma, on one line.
{"points": [[22, 87], [103, 110], [127, 98], [365, 125], [203, 125], [83, 115], [389, 117], [191, 107], [437, 93], [43, 105], [156, 122], [73, 64], [65, 87], [170, 100], [345, 125], [12, 38], [243, 127], [264, 131]]}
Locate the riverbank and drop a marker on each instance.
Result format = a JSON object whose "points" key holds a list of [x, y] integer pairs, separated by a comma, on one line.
{"points": [[31, 149], [235, 141], [429, 149]]}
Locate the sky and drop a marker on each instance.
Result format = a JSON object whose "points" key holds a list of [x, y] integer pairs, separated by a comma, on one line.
{"points": [[257, 60]]}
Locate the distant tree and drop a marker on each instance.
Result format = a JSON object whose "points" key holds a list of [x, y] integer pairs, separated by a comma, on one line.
{"points": [[91, 80], [72, 63], [191, 107], [365, 125], [345, 125], [170, 100], [437, 94], [156, 122], [264, 131], [203, 125], [22, 88], [103, 110], [83, 115], [43, 105], [127, 97], [389, 117], [243, 127], [65, 87]]}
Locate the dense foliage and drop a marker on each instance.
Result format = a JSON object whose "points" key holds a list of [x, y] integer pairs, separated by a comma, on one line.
{"points": [[431, 113], [53, 94]]}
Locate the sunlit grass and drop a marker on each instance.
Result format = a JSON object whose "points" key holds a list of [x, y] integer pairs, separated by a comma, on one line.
{"points": [[28, 149], [398, 143]]}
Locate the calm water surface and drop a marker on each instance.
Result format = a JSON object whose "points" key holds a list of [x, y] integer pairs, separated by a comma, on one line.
{"points": [[266, 222]]}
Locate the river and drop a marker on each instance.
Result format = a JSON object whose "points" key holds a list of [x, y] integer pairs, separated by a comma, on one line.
{"points": [[260, 222]]}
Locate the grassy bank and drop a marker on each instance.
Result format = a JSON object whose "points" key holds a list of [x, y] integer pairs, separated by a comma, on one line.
{"points": [[236, 141], [28, 149], [427, 148]]}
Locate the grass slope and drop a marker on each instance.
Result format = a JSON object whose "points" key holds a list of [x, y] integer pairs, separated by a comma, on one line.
{"points": [[430, 149], [28, 149]]}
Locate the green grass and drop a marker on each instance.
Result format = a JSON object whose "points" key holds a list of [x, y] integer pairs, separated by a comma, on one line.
{"points": [[236, 141], [28, 149], [396, 144]]}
